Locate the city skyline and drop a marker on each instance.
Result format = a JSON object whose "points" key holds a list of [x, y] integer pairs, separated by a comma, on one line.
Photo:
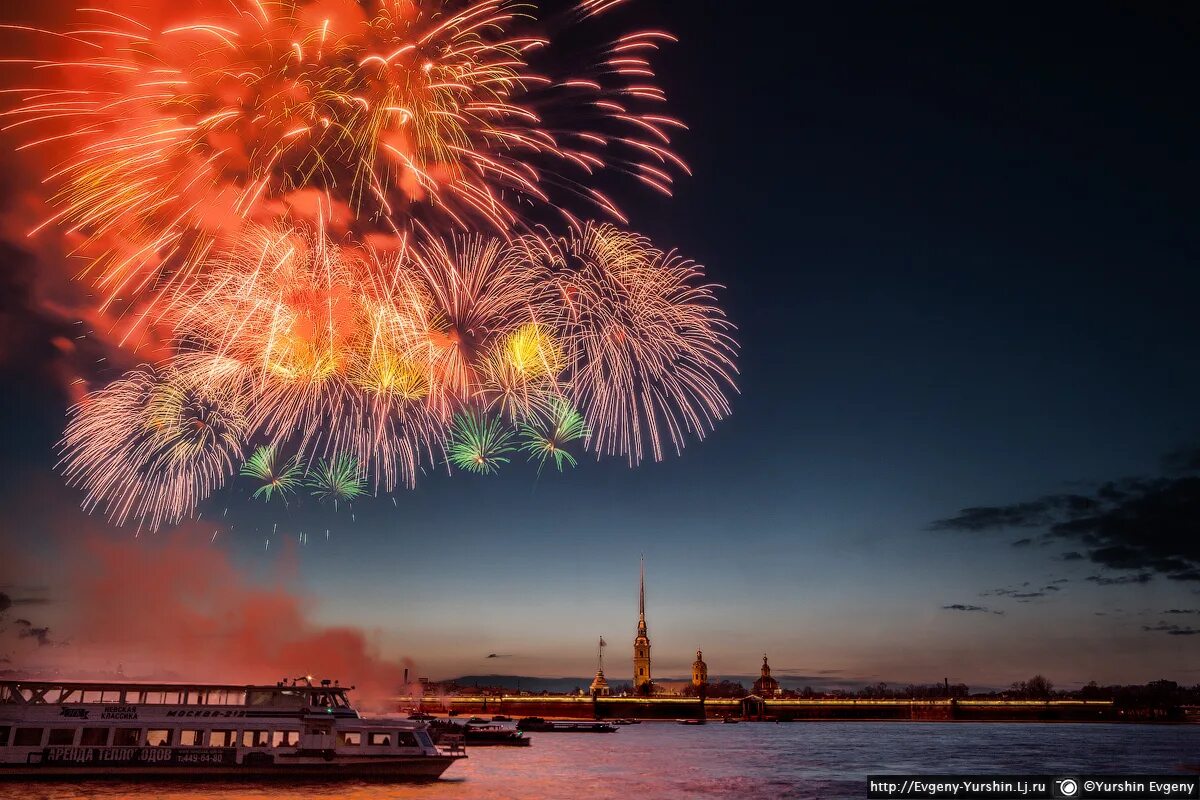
{"points": [[963, 286]]}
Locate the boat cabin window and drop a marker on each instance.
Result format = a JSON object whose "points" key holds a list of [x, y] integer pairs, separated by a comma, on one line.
{"points": [[127, 737], [91, 696], [380, 739], [158, 737], [61, 736], [328, 698], [422, 737], [406, 739], [110, 696], [222, 738], [256, 738], [286, 739], [93, 737], [4, 729], [191, 738], [158, 698], [349, 738], [226, 697], [287, 698], [28, 737]]}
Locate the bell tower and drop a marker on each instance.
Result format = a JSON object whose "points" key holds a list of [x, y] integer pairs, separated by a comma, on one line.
{"points": [[699, 671], [641, 643]]}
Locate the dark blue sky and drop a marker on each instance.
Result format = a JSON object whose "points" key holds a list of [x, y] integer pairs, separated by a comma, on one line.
{"points": [[959, 245]]}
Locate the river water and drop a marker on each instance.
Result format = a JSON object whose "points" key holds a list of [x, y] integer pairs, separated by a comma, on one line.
{"points": [[749, 760]]}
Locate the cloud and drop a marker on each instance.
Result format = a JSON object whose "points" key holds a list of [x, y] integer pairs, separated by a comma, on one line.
{"points": [[1022, 542], [1171, 630], [1116, 580], [1140, 525], [1022, 592], [966, 607], [1186, 459], [1182, 611], [1033, 514]]}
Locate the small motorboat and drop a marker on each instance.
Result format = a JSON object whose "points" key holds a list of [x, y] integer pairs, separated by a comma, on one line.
{"points": [[485, 735], [501, 718], [421, 715], [543, 726], [477, 721], [729, 721], [626, 721], [694, 721]]}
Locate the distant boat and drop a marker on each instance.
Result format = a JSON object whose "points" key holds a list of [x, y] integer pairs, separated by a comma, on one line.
{"points": [[501, 718], [476, 721], [543, 726], [626, 721], [485, 735], [729, 721], [696, 721], [421, 715]]}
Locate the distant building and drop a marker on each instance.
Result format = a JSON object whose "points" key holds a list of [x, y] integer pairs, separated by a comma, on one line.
{"points": [[699, 671], [766, 686], [641, 643]]}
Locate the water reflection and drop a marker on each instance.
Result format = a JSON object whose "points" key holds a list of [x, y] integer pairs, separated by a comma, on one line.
{"points": [[662, 760]]}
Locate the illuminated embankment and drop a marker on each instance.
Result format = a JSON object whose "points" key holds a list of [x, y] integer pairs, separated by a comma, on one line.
{"points": [[564, 707]]}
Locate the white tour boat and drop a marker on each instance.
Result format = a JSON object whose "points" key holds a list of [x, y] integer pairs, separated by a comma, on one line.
{"points": [[57, 729]]}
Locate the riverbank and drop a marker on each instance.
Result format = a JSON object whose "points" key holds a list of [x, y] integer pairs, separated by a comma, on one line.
{"points": [[956, 709]]}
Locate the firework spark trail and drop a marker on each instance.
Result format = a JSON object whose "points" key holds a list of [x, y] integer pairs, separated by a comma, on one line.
{"points": [[415, 115], [151, 446], [274, 478], [318, 355], [651, 353], [293, 342], [547, 437], [479, 443], [325, 204]]}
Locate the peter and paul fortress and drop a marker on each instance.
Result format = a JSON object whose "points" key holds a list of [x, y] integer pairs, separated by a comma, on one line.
{"points": [[766, 700]]}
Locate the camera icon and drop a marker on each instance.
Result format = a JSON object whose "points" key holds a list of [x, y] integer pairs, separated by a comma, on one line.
{"points": [[1066, 787]]}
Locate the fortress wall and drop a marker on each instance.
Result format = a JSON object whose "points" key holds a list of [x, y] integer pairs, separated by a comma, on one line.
{"points": [[559, 707]]}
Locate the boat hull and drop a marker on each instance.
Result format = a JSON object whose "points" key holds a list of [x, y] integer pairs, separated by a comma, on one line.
{"points": [[412, 768]]}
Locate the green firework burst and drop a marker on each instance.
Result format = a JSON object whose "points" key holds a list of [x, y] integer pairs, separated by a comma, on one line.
{"points": [[273, 478], [478, 443], [336, 480], [548, 438]]}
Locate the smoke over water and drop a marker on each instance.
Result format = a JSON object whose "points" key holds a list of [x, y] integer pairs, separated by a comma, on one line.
{"points": [[177, 608]]}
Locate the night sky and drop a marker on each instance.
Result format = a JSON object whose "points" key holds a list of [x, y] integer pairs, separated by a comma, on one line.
{"points": [[959, 246]]}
